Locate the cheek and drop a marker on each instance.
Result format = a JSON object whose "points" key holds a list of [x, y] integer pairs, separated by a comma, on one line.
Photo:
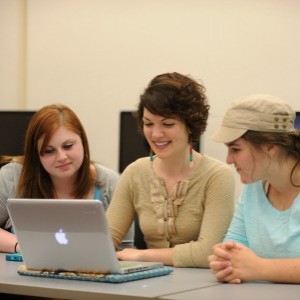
{"points": [[45, 161], [78, 154], [146, 131], [147, 134]]}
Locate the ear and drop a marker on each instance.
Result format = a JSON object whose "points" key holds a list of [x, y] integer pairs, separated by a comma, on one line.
{"points": [[271, 149]]}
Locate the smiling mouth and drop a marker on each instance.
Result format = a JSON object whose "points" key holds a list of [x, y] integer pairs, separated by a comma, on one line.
{"points": [[161, 144]]}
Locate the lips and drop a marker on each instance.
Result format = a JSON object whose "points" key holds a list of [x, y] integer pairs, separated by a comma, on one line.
{"points": [[160, 145], [64, 166]]}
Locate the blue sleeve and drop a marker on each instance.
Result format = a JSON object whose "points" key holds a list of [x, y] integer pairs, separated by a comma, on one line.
{"points": [[237, 230]]}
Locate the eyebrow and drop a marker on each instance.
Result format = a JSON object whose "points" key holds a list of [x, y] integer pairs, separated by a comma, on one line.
{"points": [[229, 144], [64, 142], [233, 144], [163, 119]]}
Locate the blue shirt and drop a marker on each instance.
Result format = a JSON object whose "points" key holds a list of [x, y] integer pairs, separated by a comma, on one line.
{"points": [[268, 232]]}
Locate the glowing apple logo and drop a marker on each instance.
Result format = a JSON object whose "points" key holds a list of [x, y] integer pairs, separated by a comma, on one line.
{"points": [[61, 237]]}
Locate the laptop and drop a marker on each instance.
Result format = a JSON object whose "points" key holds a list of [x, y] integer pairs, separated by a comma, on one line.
{"points": [[71, 235]]}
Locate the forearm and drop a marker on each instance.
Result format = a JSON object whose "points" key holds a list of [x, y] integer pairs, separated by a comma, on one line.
{"points": [[284, 270], [247, 266], [163, 255], [7, 241]]}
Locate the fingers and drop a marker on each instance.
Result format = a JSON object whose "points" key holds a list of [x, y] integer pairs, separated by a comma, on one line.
{"points": [[212, 258], [120, 255], [221, 253], [218, 265], [228, 245], [222, 275], [235, 281], [220, 261]]}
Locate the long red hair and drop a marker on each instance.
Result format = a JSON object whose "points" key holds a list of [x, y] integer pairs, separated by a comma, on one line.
{"points": [[34, 181]]}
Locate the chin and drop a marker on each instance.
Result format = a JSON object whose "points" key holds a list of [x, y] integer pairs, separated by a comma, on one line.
{"points": [[247, 181], [244, 180]]}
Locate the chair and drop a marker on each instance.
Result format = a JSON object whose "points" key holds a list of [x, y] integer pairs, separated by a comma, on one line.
{"points": [[139, 241]]}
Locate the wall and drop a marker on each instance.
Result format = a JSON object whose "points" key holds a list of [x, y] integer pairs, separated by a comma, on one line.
{"points": [[98, 55], [11, 52]]}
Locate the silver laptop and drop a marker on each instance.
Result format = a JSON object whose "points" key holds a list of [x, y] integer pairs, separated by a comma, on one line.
{"points": [[71, 235]]}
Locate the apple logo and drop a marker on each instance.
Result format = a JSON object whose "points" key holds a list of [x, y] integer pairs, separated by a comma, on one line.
{"points": [[61, 237]]}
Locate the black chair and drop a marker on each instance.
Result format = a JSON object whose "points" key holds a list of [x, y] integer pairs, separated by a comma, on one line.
{"points": [[139, 241]]}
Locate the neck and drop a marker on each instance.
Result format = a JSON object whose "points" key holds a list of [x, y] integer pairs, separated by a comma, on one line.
{"points": [[282, 200], [282, 192], [63, 189], [279, 175], [176, 166]]}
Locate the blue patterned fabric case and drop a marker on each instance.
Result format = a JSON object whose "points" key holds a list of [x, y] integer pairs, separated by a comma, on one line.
{"points": [[112, 278]]}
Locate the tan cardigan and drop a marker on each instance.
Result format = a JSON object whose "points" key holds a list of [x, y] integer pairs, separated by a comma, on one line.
{"points": [[192, 219]]}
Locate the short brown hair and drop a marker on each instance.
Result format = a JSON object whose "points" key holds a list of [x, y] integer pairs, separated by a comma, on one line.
{"points": [[176, 95]]}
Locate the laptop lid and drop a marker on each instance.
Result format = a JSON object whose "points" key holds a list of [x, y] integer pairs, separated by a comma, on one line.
{"points": [[68, 234]]}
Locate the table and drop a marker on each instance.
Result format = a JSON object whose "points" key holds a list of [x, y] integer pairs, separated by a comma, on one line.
{"points": [[180, 280], [244, 291], [182, 284]]}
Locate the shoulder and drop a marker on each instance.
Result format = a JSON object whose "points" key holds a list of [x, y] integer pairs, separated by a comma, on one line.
{"points": [[105, 174], [215, 174], [253, 191], [137, 173], [139, 165], [252, 196], [215, 165], [11, 169], [9, 179]]}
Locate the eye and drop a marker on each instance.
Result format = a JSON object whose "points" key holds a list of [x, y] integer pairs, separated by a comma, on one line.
{"points": [[49, 150], [68, 146], [168, 124], [148, 124], [236, 150]]}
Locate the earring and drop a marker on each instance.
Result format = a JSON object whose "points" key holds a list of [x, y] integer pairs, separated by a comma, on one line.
{"points": [[191, 163], [151, 155]]}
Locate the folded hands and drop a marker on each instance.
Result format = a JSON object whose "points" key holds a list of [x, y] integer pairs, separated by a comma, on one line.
{"points": [[234, 263]]}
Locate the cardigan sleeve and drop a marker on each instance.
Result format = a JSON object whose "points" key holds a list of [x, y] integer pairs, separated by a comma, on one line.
{"points": [[9, 178], [218, 211], [120, 213]]}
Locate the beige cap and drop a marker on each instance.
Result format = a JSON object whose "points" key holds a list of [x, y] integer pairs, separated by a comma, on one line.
{"points": [[258, 112]]}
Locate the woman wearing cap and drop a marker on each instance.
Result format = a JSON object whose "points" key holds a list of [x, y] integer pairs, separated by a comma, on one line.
{"points": [[263, 240]]}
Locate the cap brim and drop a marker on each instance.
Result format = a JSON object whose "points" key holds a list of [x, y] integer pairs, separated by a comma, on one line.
{"points": [[227, 134]]}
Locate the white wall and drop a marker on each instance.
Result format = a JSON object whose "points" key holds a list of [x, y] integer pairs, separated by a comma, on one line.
{"points": [[10, 54], [98, 55]]}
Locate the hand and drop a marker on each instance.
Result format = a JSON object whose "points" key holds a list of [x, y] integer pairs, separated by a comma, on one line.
{"points": [[246, 265], [18, 248], [130, 254], [220, 262], [234, 263]]}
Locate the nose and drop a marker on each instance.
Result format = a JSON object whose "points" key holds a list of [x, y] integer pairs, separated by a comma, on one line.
{"points": [[229, 159], [61, 155], [157, 132]]}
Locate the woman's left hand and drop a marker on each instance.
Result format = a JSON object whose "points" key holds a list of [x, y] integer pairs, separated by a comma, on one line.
{"points": [[130, 254]]}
